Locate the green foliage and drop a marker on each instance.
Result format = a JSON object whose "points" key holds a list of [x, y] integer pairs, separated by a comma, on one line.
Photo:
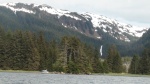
{"points": [[36, 51], [105, 67], [114, 60], [134, 65], [58, 66], [29, 51], [72, 68], [141, 65], [117, 64], [144, 63], [96, 62], [73, 52]]}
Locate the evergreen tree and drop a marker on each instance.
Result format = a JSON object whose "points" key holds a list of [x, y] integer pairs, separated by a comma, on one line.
{"points": [[43, 51], [144, 64], [61, 62], [52, 54], [97, 64], [19, 51], [27, 51], [133, 69], [117, 64], [33, 56], [83, 61], [110, 57], [2, 47], [105, 67], [114, 60], [72, 68], [72, 51]]}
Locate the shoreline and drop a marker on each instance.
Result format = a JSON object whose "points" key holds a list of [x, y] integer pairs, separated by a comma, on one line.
{"points": [[97, 74], [19, 71], [121, 74]]}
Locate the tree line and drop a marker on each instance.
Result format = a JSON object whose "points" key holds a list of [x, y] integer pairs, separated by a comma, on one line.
{"points": [[140, 64], [25, 50], [30, 51]]}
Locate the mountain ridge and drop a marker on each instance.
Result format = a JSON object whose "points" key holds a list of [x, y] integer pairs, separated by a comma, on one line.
{"points": [[35, 18], [86, 23]]}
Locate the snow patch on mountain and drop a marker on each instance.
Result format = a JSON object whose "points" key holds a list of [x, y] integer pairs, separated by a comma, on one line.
{"points": [[98, 37], [100, 21], [46, 8], [58, 12], [132, 30], [114, 28], [97, 19], [11, 7]]}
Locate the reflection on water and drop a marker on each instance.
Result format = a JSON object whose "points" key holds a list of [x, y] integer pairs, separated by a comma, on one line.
{"points": [[38, 78]]}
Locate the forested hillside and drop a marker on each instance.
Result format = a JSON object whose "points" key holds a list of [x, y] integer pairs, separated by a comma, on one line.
{"points": [[139, 46], [28, 51], [140, 64], [64, 23], [145, 39], [37, 39], [25, 50]]}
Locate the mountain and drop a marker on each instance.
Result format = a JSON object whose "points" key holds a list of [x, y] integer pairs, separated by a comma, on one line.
{"points": [[143, 42], [85, 23], [91, 28], [145, 39]]}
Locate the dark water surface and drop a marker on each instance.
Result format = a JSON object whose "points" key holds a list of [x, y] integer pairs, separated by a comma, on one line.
{"points": [[38, 78]]}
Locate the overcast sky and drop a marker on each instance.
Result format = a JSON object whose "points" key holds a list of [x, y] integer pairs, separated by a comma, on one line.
{"points": [[136, 12]]}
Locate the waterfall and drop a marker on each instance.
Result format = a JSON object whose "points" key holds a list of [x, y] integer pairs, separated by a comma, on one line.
{"points": [[101, 50]]}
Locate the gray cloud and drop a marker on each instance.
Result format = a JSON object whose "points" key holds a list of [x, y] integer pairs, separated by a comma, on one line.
{"points": [[131, 11]]}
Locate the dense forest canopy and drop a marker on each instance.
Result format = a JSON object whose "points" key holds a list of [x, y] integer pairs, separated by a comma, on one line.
{"points": [[25, 50], [29, 51]]}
